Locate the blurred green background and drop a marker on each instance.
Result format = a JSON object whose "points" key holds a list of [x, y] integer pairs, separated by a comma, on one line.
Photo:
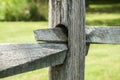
{"points": [[18, 19], [23, 10]]}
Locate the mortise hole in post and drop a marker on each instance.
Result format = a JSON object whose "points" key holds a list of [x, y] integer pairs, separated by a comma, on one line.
{"points": [[64, 28]]}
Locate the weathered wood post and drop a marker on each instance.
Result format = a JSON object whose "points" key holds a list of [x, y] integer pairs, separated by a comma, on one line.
{"points": [[71, 13]]}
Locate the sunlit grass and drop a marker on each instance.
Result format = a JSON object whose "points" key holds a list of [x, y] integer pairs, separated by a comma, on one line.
{"points": [[102, 63], [19, 31], [105, 5], [107, 15], [33, 75]]}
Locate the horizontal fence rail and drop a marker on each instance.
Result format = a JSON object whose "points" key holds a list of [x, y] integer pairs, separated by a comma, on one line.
{"points": [[103, 35], [19, 58], [51, 35], [95, 35]]}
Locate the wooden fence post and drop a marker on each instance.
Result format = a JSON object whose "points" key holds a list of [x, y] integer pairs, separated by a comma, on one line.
{"points": [[71, 13]]}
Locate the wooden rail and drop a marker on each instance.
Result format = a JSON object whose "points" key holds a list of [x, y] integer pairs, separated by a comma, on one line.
{"points": [[103, 35], [19, 58], [94, 35]]}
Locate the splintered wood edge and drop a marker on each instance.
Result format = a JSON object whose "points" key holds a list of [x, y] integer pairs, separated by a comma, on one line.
{"points": [[19, 58], [94, 35]]}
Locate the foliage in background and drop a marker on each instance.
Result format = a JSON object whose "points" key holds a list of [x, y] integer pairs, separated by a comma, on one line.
{"points": [[38, 9], [103, 1], [22, 10], [103, 14]]}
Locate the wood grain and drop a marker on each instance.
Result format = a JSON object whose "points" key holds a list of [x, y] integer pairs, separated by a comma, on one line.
{"points": [[71, 13], [51, 35], [103, 35], [19, 58], [94, 35]]}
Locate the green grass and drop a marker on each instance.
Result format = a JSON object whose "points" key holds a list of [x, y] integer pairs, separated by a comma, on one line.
{"points": [[107, 15], [33, 75], [102, 62], [19, 31]]}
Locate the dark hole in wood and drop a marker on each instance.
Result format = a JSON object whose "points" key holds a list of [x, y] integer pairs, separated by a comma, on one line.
{"points": [[64, 29]]}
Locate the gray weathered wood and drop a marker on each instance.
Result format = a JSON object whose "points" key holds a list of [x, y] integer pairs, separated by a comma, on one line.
{"points": [[51, 35], [56, 34], [106, 35], [19, 58], [71, 13]]}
